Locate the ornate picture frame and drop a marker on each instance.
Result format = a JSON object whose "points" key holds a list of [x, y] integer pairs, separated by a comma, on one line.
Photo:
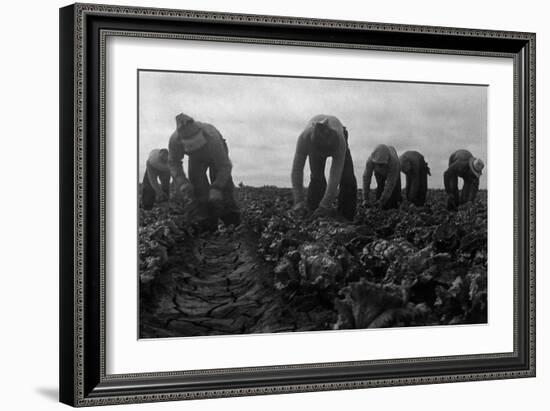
{"points": [[84, 30]]}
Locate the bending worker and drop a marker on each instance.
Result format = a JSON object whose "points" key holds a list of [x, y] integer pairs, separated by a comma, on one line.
{"points": [[156, 169], [385, 164], [207, 151], [416, 172], [324, 136], [464, 165]]}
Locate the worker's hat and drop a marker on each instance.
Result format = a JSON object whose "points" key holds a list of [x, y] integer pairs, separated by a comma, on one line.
{"points": [[476, 165], [190, 133]]}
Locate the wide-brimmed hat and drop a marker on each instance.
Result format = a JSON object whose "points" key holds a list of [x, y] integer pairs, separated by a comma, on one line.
{"points": [[190, 133], [476, 165]]}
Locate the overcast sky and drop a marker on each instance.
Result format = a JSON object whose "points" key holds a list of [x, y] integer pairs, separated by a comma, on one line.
{"points": [[261, 118]]}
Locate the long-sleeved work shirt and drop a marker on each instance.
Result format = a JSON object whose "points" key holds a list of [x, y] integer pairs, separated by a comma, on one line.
{"points": [[305, 147], [459, 165], [391, 172], [213, 153], [155, 169]]}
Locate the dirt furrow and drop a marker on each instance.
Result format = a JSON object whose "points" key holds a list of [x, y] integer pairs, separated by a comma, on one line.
{"points": [[215, 284]]}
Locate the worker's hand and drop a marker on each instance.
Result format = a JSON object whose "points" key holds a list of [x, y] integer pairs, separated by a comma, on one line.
{"points": [[215, 195], [301, 206], [186, 189], [324, 212], [300, 210]]}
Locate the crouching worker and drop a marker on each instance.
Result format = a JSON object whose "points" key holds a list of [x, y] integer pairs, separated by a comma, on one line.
{"points": [[416, 172], [384, 163], [156, 169], [324, 136], [464, 165], [207, 152]]}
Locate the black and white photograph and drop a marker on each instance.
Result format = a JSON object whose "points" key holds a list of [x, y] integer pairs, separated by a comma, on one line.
{"points": [[272, 204], [275, 205]]}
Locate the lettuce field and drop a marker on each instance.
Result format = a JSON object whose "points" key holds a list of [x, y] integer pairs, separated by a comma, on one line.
{"points": [[282, 272]]}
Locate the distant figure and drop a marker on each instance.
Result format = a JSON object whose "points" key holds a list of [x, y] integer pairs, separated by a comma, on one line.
{"points": [[156, 169], [416, 172], [464, 165], [385, 164], [325, 136], [207, 151]]}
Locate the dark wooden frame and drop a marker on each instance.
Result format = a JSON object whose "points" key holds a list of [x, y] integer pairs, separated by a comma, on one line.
{"points": [[83, 29]]}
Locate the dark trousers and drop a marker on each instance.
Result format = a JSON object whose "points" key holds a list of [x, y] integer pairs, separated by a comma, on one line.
{"points": [[469, 191], [207, 212], [347, 194], [417, 185], [422, 185], [395, 198], [148, 194]]}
